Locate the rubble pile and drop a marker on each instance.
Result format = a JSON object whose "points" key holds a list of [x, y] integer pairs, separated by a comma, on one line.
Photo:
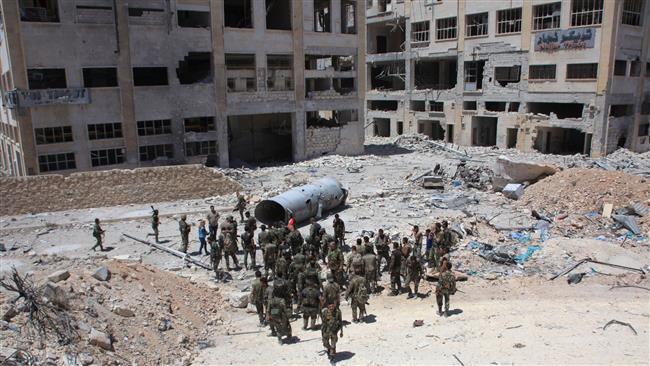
{"points": [[121, 311], [111, 188]]}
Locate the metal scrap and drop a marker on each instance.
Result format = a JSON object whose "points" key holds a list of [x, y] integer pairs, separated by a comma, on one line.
{"points": [[614, 321]]}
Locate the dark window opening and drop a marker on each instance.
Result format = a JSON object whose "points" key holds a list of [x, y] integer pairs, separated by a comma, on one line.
{"points": [[621, 110], [349, 16], [620, 67], [344, 85], [241, 73], [324, 62], [195, 68], [193, 19], [446, 28], [278, 14], [100, 77], [279, 72], [238, 13], [386, 37], [315, 86], [200, 148], [547, 16], [484, 131], [437, 75], [632, 12], [509, 21], [46, 78], [541, 72], [39, 11], [260, 138], [437, 106], [400, 127], [511, 141], [474, 75], [200, 124], [53, 162], [645, 106], [506, 75], [513, 107], [644, 130], [381, 127], [635, 68], [107, 157], [582, 71], [383, 105], [53, 135], [586, 12], [140, 12], [154, 127], [477, 25], [322, 16], [102, 131], [330, 118], [469, 105], [561, 110], [450, 133], [150, 76], [432, 129], [388, 76], [495, 106], [156, 152], [418, 105], [561, 141]]}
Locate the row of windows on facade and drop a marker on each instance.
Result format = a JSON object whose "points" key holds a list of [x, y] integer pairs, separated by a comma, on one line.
{"points": [[100, 131], [545, 16], [116, 156], [237, 14]]}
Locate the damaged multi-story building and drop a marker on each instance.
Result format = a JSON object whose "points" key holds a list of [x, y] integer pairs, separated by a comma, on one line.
{"points": [[102, 84], [562, 77]]}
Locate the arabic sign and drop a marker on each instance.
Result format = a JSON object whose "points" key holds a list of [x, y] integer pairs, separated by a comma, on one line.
{"points": [[567, 39], [32, 98]]}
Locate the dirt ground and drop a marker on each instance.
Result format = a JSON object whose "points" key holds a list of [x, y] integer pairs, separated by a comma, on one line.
{"points": [[506, 314]]}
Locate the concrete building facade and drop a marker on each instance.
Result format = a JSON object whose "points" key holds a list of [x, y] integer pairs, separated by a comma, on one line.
{"points": [[556, 76], [102, 84]]}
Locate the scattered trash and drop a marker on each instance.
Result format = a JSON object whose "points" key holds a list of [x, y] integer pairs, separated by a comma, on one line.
{"points": [[488, 252], [521, 258], [520, 236], [575, 278], [418, 323], [458, 359], [614, 321], [607, 210], [628, 222], [519, 345], [585, 260]]}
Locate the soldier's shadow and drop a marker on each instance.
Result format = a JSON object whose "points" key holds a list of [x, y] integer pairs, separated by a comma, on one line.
{"points": [[342, 356], [453, 312], [370, 318]]}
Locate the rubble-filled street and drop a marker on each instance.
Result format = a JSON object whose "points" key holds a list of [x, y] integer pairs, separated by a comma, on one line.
{"points": [[519, 220]]}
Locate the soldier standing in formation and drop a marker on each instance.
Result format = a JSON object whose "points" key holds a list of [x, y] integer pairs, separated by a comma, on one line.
{"points": [[335, 263], [277, 314], [370, 270], [184, 228], [216, 249], [382, 243], [357, 292], [395, 267], [229, 232], [258, 291], [339, 231], [310, 303]]}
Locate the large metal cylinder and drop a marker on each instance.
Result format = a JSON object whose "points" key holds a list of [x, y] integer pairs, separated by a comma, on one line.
{"points": [[303, 202]]}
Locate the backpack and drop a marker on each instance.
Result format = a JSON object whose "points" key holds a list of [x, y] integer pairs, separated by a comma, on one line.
{"points": [[275, 307], [361, 294]]}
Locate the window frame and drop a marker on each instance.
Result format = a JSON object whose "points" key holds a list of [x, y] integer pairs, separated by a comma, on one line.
{"points": [[509, 12], [210, 126], [59, 158], [53, 135], [115, 130], [633, 13], [548, 7], [118, 158], [83, 76], [151, 128], [447, 30], [169, 154], [480, 26], [595, 13], [205, 148], [425, 33], [592, 64], [530, 73]]}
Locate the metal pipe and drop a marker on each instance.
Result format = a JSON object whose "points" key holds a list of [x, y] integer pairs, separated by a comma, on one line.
{"points": [[184, 256], [303, 202]]}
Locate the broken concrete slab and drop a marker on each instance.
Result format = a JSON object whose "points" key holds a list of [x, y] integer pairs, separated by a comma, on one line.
{"points": [[59, 276], [124, 312], [513, 191], [55, 294], [102, 274], [238, 299], [522, 171], [628, 222], [100, 339]]}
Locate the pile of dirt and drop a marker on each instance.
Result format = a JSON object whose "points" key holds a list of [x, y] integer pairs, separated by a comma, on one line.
{"points": [[46, 193], [142, 314]]}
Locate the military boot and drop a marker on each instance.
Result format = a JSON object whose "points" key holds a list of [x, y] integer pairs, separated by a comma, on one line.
{"points": [[313, 323], [304, 324]]}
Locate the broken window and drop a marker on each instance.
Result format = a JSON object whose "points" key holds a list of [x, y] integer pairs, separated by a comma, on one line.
{"points": [[149, 15], [390, 76], [644, 129], [437, 106], [635, 68], [541, 72], [383, 105], [432, 129], [477, 25], [195, 68], [474, 75], [446, 28], [278, 14], [279, 72], [199, 148], [495, 106], [241, 73], [561, 110], [317, 86], [645, 106], [509, 21], [632, 10], [238, 13], [322, 16], [153, 152], [581, 71], [513, 107], [348, 16], [469, 105], [418, 106], [381, 127], [420, 34], [621, 110], [149, 76], [100, 77], [94, 11], [507, 74], [586, 12], [107, 157], [647, 69], [484, 131], [200, 124], [101, 131], [438, 75], [547, 16], [400, 127], [193, 19], [53, 162], [46, 78], [344, 85], [39, 11], [330, 118], [154, 127], [620, 67], [53, 135], [564, 141]]}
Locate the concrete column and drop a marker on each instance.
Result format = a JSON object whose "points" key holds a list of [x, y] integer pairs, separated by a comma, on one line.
{"points": [[526, 24], [645, 57], [361, 70], [18, 68], [298, 122], [459, 134], [219, 66], [125, 81]]}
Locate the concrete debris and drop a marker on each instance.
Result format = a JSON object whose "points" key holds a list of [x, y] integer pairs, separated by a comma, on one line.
{"points": [[102, 274], [238, 299], [522, 171], [55, 294], [628, 222], [124, 312], [59, 276], [164, 325], [513, 191], [100, 339]]}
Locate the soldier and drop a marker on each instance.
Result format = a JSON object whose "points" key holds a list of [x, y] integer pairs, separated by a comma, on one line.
{"points": [[339, 231], [370, 270], [98, 233], [310, 303], [296, 267], [354, 257], [332, 324], [358, 292], [437, 249], [281, 266], [240, 206], [295, 241], [382, 243], [184, 228], [155, 222], [331, 292], [281, 283], [406, 252], [325, 241], [395, 266], [446, 286], [413, 274], [447, 238], [270, 257], [428, 236], [251, 223], [311, 273], [213, 222], [417, 237], [314, 228], [258, 288], [249, 248], [367, 247], [229, 231], [335, 263], [278, 315], [216, 248]]}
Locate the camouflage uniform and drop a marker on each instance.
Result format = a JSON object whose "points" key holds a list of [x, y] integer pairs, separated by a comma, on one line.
{"points": [[295, 241], [249, 248], [357, 291], [413, 273], [339, 232], [383, 250], [213, 224], [278, 317], [331, 294], [216, 246], [281, 267], [446, 286], [258, 290], [417, 248], [395, 266], [155, 222], [228, 229], [270, 257], [97, 233], [370, 267], [296, 267], [332, 325], [310, 304], [325, 241], [354, 260], [335, 264], [241, 206], [184, 228], [251, 225]]}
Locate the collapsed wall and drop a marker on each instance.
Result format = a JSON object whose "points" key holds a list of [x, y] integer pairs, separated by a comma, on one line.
{"points": [[44, 193]]}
